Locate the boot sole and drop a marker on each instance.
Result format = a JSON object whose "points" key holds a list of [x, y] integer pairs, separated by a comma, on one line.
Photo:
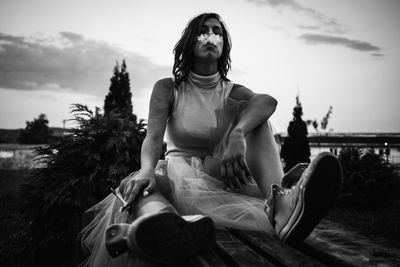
{"points": [[317, 196], [169, 239]]}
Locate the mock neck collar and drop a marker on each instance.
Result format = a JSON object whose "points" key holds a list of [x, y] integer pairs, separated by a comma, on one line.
{"points": [[204, 82]]}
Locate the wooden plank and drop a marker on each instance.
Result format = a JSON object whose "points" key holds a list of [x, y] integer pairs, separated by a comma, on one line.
{"points": [[210, 259], [274, 249], [236, 253]]}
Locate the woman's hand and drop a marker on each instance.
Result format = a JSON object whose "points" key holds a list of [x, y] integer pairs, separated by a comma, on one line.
{"points": [[143, 183], [234, 169]]}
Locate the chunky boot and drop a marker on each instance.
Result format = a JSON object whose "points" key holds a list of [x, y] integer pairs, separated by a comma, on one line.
{"points": [[294, 212], [164, 237]]}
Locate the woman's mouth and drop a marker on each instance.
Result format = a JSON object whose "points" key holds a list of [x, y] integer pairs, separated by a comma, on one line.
{"points": [[210, 45]]}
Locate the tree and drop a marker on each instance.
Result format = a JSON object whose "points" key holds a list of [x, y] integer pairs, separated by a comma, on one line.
{"points": [[296, 148], [36, 131], [78, 171], [118, 99], [324, 121]]}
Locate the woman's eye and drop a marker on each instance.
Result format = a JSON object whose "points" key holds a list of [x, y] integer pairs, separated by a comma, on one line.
{"points": [[218, 32]]}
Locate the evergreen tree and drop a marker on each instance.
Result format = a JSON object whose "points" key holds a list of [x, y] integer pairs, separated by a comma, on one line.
{"points": [[118, 99], [36, 131], [296, 148]]}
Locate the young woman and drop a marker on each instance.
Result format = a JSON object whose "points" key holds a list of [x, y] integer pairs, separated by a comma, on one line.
{"points": [[218, 143]]}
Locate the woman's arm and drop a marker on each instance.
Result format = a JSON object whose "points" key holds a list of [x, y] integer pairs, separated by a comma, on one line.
{"points": [[258, 110], [160, 103]]}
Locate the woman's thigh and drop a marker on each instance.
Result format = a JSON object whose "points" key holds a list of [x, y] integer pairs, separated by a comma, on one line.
{"points": [[164, 186]]}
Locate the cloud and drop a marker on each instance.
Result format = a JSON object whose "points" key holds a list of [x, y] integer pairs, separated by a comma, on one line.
{"points": [[69, 61], [334, 40], [309, 27], [73, 37], [377, 54], [323, 21]]}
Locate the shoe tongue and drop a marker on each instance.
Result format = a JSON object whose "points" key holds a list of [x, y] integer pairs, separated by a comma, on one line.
{"points": [[269, 205]]}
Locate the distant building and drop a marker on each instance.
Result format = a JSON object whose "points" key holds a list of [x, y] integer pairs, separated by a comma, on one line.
{"points": [[385, 144], [17, 156], [20, 156]]}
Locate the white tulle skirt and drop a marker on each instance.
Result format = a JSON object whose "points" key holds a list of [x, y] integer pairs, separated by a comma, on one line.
{"points": [[195, 190]]}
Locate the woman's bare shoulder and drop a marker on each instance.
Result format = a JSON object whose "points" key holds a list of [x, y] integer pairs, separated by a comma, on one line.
{"points": [[240, 92], [163, 91], [165, 83]]}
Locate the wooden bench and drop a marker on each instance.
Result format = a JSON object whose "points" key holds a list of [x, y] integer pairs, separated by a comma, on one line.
{"points": [[328, 245]]}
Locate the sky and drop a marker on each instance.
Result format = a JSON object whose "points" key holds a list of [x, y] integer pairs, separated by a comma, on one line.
{"points": [[339, 53]]}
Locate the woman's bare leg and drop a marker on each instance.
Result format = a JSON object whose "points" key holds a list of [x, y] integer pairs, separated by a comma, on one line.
{"points": [[314, 191], [263, 158], [157, 201], [158, 232]]}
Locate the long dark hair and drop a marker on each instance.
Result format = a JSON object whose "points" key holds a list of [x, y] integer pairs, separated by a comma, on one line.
{"points": [[183, 50]]}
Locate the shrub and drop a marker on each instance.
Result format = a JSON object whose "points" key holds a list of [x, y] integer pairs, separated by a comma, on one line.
{"points": [[369, 180], [13, 231], [36, 131], [78, 171]]}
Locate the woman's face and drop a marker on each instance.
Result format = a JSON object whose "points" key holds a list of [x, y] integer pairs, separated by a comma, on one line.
{"points": [[209, 42]]}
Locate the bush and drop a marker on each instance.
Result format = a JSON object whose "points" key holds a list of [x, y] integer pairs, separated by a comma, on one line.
{"points": [[13, 231], [36, 131], [79, 170], [369, 180]]}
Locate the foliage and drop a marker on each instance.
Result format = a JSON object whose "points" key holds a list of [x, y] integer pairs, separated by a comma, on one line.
{"points": [[36, 131], [78, 172], [324, 121], [119, 97], [13, 226], [296, 148], [370, 182]]}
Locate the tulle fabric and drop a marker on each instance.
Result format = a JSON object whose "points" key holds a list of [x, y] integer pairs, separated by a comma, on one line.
{"points": [[196, 189], [93, 235], [197, 192]]}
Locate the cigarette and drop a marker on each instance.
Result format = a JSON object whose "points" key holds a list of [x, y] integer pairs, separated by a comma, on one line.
{"points": [[118, 195]]}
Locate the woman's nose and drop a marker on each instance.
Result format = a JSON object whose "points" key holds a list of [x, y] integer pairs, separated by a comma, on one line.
{"points": [[209, 32]]}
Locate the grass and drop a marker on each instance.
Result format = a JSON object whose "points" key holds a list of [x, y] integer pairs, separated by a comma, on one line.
{"points": [[382, 222]]}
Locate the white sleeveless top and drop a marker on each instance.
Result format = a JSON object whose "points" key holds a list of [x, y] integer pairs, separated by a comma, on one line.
{"points": [[193, 121]]}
